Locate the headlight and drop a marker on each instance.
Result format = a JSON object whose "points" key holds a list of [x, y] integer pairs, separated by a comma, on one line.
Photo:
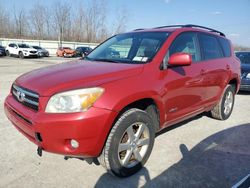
{"points": [[73, 101], [248, 76]]}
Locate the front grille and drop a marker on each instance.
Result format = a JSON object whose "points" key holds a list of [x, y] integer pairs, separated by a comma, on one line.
{"points": [[26, 97], [33, 52]]}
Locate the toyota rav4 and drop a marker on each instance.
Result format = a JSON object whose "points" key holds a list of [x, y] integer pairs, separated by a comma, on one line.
{"points": [[107, 107]]}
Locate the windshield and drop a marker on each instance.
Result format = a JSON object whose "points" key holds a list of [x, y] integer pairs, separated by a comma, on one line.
{"points": [[138, 47], [37, 47], [244, 57], [23, 46]]}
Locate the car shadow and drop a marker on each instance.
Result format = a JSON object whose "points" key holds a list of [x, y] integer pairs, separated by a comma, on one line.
{"points": [[221, 160], [107, 180]]}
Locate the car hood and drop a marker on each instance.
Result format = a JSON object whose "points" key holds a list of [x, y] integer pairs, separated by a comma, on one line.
{"points": [[42, 50], [245, 67], [74, 75]]}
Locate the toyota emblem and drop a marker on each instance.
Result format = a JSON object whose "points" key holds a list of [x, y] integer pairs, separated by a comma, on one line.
{"points": [[20, 96]]}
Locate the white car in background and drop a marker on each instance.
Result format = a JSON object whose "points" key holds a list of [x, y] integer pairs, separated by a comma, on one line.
{"points": [[21, 50]]}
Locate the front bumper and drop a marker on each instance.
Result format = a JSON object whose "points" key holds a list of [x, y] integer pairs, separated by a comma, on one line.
{"points": [[245, 87], [68, 55], [53, 132], [28, 54], [245, 84], [43, 54]]}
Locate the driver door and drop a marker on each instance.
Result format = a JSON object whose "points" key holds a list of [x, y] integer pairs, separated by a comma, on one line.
{"points": [[183, 84]]}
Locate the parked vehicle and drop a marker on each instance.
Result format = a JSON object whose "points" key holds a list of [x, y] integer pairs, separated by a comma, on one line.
{"points": [[65, 52], [42, 52], [107, 108], [2, 51], [245, 70], [21, 50], [82, 51]]}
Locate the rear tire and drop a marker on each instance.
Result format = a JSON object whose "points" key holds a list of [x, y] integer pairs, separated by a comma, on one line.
{"points": [[224, 108], [129, 143]]}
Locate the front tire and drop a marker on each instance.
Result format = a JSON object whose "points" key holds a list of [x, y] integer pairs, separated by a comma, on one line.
{"points": [[129, 143], [21, 55], [7, 53], [224, 108]]}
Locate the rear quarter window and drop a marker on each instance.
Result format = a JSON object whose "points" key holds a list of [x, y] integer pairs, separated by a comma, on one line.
{"points": [[225, 47], [210, 47]]}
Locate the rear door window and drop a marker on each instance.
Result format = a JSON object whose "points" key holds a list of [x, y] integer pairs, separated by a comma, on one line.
{"points": [[210, 47], [225, 47]]}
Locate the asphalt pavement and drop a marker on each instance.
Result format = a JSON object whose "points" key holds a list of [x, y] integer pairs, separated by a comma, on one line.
{"points": [[200, 152]]}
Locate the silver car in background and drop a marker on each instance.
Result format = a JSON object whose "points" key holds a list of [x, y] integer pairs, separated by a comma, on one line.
{"points": [[42, 52]]}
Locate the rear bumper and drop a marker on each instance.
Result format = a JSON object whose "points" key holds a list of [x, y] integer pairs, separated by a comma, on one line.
{"points": [[53, 132]]}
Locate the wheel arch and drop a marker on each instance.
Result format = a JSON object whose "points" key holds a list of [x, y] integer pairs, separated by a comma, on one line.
{"points": [[146, 104], [234, 83]]}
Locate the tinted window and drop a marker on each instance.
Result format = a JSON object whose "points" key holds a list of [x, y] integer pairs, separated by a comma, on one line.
{"points": [[225, 47], [187, 43], [210, 47], [37, 47], [23, 46]]}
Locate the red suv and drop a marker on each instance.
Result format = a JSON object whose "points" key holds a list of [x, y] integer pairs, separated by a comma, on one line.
{"points": [[107, 108]]}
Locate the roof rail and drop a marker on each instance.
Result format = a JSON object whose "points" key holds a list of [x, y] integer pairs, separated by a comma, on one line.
{"points": [[166, 26], [161, 27], [189, 25], [207, 28]]}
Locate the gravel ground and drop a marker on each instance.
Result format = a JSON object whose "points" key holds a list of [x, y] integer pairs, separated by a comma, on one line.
{"points": [[201, 152]]}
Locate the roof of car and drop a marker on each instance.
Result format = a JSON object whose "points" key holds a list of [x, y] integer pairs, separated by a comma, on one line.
{"points": [[172, 28]]}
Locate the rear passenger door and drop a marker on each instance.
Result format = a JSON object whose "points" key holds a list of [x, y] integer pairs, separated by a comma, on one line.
{"points": [[215, 66]]}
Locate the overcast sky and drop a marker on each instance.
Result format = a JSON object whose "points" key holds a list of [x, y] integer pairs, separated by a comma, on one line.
{"points": [[229, 16]]}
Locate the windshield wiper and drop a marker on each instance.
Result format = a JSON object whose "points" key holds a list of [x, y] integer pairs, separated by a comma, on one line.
{"points": [[105, 60]]}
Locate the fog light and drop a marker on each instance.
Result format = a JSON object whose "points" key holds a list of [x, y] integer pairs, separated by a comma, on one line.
{"points": [[74, 144]]}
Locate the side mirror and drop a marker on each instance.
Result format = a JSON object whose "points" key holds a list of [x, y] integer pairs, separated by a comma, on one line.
{"points": [[180, 59]]}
